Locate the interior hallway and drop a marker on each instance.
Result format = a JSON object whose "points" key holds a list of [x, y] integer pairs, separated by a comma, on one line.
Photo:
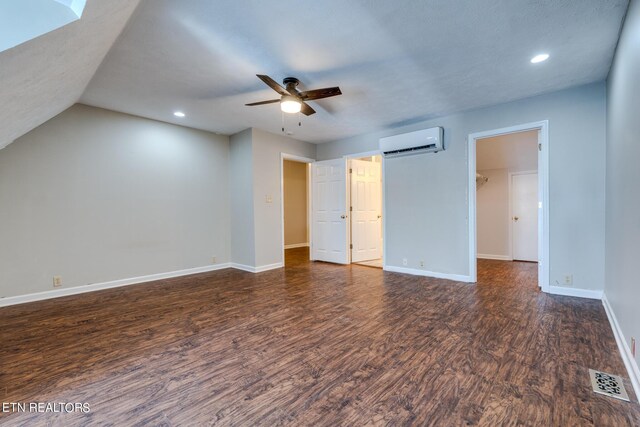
{"points": [[316, 344]]}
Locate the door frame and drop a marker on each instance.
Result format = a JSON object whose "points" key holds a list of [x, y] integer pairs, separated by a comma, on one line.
{"points": [[348, 157], [543, 196], [510, 195], [299, 159]]}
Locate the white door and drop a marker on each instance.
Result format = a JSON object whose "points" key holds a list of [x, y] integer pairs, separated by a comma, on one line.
{"points": [[524, 216], [366, 214], [329, 211]]}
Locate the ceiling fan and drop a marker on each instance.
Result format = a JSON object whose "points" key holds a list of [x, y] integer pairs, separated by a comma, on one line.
{"points": [[292, 101]]}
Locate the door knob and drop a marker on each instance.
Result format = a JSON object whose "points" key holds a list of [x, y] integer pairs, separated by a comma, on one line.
{"points": [[343, 216], [515, 218], [379, 216]]}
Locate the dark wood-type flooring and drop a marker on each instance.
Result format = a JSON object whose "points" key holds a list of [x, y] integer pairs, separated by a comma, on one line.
{"points": [[315, 344]]}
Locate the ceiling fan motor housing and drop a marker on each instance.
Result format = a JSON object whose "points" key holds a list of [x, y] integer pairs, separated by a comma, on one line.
{"points": [[291, 80]]}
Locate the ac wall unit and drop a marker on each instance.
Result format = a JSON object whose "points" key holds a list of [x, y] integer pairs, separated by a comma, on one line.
{"points": [[422, 141]]}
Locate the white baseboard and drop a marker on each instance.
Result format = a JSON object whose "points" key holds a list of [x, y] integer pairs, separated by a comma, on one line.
{"points": [[496, 257], [625, 352], [416, 272], [268, 267], [243, 267], [297, 245], [57, 293], [259, 269], [574, 292]]}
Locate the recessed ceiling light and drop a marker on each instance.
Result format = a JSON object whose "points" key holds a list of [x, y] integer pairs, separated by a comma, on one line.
{"points": [[540, 58], [179, 114]]}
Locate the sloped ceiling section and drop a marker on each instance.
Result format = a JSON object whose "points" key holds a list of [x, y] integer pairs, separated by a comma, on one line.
{"points": [[21, 21], [43, 77]]}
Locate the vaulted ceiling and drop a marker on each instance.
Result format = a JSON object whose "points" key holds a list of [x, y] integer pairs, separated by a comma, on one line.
{"points": [[396, 62]]}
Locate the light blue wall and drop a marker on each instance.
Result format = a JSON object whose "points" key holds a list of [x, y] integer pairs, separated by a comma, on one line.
{"points": [[241, 198], [426, 195], [267, 182], [623, 178], [256, 224], [95, 196]]}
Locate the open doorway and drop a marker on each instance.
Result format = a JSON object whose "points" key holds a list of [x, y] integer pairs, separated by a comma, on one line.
{"points": [[508, 198], [295, 207], [365, 182]]}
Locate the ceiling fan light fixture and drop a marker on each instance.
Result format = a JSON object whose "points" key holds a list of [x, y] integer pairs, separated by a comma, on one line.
{"points": [[290, 105]]}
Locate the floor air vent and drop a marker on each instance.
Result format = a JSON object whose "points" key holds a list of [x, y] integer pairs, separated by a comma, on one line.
{"points": [[607, 384]]}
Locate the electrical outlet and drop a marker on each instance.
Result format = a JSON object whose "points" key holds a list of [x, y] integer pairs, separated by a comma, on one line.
{"points": [[421, 263], [633, 347], [568, 279], [404, 261], [57, 281], [213, 260]]}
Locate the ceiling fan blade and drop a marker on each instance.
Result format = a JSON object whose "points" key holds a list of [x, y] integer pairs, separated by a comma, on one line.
{"points": [[327, 92], [272, 84], [306, 110], [263, 102]]}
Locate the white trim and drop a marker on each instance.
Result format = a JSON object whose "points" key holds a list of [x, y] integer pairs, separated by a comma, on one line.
{"points": [[309, 211], [510, 209], [260, 269], [297, 245], [384, 216], [300, 159], [543, 188], [268, 267], [243, 267], [575, 292], [416, 272], [496, 257], [628, 359], [57, 293]]}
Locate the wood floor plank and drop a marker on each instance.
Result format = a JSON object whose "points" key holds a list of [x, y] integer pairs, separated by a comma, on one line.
{"points": [[315, 344]]}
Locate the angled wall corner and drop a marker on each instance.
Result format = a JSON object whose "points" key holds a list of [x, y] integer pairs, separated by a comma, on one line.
{"points": [[24, 20]]}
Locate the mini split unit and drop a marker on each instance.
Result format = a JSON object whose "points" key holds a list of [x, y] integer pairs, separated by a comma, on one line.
{"points": [[422, 141]]}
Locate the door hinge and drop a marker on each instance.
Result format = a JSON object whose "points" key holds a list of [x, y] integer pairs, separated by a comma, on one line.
{"points": [[351, 246], [350, 208], [350, 170], [539, 147]]}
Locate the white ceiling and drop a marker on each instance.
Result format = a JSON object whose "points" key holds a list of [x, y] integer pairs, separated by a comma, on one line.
{"points": [[515, 151], [396, 62], [43, 77]]}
